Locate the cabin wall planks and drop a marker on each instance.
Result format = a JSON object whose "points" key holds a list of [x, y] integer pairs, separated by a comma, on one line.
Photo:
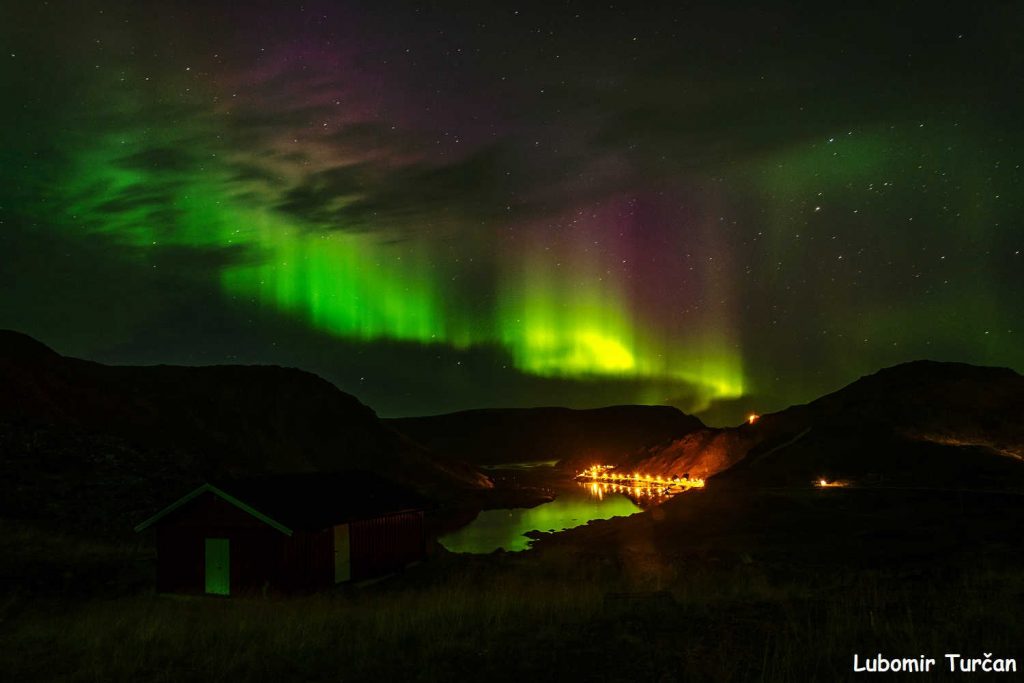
{"points": [[263, 559]]}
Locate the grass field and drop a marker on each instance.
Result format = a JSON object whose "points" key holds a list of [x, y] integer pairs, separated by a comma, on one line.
{"points": [[504, 617]]}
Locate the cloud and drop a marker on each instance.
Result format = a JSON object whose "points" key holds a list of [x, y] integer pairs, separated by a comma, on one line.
{"points": [[163, 159], [488, 185]]}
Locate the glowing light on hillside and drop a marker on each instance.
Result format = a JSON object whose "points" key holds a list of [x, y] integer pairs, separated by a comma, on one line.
{"points": [[835, 484], [752, 418]]}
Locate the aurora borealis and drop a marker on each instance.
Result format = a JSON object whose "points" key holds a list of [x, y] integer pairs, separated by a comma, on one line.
{"points": [[449, 205]]}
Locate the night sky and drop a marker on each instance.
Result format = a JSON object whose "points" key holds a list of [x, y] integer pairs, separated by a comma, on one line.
{"points": [[450, 205]]}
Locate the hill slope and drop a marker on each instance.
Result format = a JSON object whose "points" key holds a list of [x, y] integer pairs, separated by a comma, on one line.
{"points": [[73, 424], [931, 453], [922, 423]]}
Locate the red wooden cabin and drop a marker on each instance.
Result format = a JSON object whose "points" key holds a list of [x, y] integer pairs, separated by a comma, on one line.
{"points": [[286, 533]]}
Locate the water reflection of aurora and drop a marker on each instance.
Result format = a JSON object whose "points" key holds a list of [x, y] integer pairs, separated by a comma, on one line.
{"points": [[573, 507]]}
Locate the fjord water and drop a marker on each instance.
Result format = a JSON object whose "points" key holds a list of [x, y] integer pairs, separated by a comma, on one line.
{"points": [[573, 506]]}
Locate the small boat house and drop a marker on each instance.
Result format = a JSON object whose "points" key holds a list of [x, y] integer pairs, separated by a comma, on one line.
{"points": [[286, 533]]}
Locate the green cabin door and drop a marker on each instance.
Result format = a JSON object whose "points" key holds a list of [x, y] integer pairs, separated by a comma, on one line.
{"points": [[218, 566], [342, 554]]}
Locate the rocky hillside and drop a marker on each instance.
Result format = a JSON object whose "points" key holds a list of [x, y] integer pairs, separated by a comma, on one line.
{"points": [[700, 454], [923, 423]]}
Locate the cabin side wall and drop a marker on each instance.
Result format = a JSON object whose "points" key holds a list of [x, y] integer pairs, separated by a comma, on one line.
{"points": [[308, 561], [264, 559], [385, 544], [257, 551]]}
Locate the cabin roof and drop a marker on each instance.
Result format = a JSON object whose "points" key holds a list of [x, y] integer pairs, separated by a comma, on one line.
{"points": [[307, 501]]}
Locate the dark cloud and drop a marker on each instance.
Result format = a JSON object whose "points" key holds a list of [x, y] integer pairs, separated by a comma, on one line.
{"points": [[246, 172], [488, 184], [160, 159], [152, 198]]}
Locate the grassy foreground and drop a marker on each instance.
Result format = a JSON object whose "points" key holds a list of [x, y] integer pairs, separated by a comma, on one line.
{"points": [[512, 617]]}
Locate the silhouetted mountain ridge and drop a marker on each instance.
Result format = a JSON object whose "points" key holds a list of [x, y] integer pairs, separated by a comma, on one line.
{"points": [[187, 423], [924, 423], [19, 346], [77, 435], [512, 435]]}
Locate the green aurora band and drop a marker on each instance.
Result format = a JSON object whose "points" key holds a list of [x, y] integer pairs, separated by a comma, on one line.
{"points": [[774, 273], [567, 322], [558, 311]]}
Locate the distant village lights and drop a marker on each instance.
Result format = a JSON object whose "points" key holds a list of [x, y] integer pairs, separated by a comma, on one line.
{"points": [[637, 480]]}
